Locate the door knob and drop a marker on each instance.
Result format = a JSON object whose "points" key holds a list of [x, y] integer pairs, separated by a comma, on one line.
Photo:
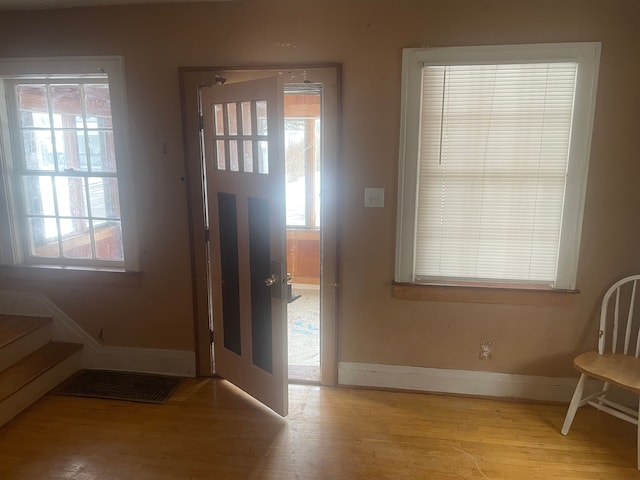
{"points": [[271, 280]]}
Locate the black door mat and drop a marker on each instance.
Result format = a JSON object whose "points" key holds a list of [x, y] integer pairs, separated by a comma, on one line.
{"points": [[130, 386]]}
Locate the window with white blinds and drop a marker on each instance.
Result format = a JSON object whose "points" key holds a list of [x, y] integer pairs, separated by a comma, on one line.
{"points": [[500, 141]]}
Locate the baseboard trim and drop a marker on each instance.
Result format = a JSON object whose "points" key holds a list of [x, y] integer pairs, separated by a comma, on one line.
{"points": [[95, 355], [181, 363], [460, 382]]}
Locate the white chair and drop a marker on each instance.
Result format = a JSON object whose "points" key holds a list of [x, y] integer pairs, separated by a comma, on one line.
{"points": [[619, 365]]}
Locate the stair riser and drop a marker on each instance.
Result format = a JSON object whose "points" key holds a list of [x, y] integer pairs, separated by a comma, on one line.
{"points": [[37, 388], [23, 346]]}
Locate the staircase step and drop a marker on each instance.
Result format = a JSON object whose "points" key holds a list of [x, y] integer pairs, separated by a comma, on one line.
{"points": [[34, 365], [25, 382], [14, 327], [19, 336]]}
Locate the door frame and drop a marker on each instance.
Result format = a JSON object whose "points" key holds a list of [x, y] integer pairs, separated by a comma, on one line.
{"points": [[190, 79]]}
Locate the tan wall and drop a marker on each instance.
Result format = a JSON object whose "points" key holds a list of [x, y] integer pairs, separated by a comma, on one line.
{"points": [[366, 36]]}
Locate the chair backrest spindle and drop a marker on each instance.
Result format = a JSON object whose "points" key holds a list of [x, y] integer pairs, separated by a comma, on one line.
{"points": [[627, 333], [623, 300], [616, 316], [632, 309]]}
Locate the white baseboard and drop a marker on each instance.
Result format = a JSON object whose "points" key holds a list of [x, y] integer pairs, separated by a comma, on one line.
{"points": [[94, 355], [180, 363], [460, 382]]}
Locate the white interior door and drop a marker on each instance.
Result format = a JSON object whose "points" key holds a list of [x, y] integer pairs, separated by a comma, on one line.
{"points": [[242, 136]]}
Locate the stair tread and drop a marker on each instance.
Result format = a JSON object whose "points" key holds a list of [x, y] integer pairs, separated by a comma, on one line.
{"points": [[14, 327], [30, 367]]}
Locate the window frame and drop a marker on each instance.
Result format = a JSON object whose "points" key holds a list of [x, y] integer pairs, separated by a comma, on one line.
{"points": [[310, 194], [12, 238], [312, 212], [586, 54]]}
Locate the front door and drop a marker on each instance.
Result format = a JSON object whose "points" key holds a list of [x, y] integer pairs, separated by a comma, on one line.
{"points": [[242, 140]]}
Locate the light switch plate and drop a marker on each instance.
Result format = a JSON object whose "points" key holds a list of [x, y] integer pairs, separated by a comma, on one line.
{"points": [[374, 197]]}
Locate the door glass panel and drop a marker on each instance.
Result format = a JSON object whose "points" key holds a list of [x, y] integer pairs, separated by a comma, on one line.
{"points": [[228, 227], [260, 265], [232, 118], [218, 119], [247, 153], [263, 157], [220, 156], [246, 118], [233, 156], [261, 117]]}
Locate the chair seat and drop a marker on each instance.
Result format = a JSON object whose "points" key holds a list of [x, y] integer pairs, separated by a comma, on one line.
{"points": [[618, 325], [615, 368]]}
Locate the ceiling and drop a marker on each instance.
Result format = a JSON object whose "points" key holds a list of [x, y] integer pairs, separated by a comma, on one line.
{"points": [[49, 4]]}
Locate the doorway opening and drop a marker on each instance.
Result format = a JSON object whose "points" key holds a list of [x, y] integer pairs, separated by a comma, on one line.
{"points": [[311, 225], [303, 167]]}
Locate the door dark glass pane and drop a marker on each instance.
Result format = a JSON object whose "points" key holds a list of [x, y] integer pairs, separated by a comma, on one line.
{"points": [[227, 216], [260, 264]]}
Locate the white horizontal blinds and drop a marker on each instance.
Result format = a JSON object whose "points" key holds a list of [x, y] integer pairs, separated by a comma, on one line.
{"points": [[494, 144]]}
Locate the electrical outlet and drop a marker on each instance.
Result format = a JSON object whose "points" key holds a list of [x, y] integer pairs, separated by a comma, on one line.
{"points": [[486, 350]]}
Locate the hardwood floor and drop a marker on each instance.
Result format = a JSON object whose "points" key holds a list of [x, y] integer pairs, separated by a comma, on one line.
{"points": [[210, 430]]}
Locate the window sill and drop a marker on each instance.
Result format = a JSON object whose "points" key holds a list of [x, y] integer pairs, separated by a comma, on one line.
{"points": [[55, 274], [506, 295]]}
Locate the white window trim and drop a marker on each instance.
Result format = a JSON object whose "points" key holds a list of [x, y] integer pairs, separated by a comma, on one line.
{"points": [[587, 54], [113, 66]]}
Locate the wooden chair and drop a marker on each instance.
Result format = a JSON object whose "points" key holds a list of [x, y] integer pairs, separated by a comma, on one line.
{"points": [[619, 365]]}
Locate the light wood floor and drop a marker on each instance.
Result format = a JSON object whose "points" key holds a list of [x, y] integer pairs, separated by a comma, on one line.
{"points": [[210, 430]]}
